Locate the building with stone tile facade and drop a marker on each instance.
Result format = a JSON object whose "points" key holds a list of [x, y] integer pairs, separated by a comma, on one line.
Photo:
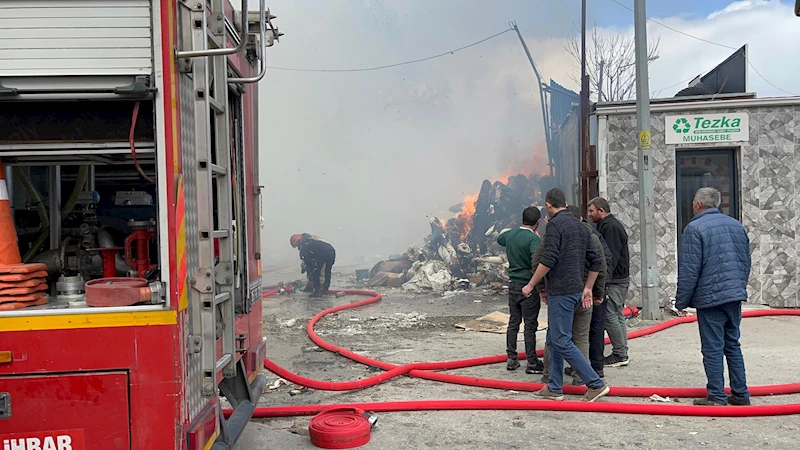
{"points": [[747, 147]]}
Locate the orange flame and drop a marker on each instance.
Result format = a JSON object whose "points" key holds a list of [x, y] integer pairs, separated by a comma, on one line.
{"points": [[534, 163], [464, 218]]}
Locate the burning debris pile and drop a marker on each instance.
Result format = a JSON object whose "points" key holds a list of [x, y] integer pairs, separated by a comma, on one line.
{"points": [[463, 252]]}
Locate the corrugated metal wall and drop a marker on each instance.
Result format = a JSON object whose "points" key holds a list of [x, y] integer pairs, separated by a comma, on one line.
{"points": [[82, 37], [565, 139], [561, 103], [569, 148]]}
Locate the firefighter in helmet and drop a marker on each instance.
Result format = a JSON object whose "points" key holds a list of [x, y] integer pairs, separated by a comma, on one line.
{"points": [[317, 258], [295, 241]]}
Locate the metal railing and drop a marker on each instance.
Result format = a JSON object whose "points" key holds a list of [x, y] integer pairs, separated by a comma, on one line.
{"points": [[225, 50]]}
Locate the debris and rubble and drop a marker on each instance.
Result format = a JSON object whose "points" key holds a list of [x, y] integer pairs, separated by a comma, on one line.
{"points": [[462, 252], [495, 322], [340, 325]]}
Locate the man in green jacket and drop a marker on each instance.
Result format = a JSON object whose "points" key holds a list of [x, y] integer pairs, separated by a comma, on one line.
{"points": [[521, 244]]}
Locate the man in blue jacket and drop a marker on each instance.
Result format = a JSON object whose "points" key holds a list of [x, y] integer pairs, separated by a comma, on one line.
{"points": [[713, 269]]}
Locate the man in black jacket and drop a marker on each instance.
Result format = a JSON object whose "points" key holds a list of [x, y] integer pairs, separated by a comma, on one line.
{"points": [[318, 257], [617, 290], [567, 249], [597, 342], [588, 323]]}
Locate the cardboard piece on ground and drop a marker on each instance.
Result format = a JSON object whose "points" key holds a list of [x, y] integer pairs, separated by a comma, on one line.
{"points": [[495, 322], [386, 279]]}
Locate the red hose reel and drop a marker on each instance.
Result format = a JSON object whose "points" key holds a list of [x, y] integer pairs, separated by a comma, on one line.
{"points": [[108, 292], [341, 428]]}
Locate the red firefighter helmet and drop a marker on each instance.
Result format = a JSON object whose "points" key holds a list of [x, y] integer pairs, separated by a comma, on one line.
{"points": [[295, 240]]}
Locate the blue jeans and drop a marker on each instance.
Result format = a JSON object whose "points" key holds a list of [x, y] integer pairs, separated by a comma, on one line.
{"points": [[719, 335], [560, 311]]}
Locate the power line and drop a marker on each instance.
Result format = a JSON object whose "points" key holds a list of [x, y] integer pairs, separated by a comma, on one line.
{"points": [[708, 42], [673, 85], [676, 84], [769, 82], [366, 69], [676, 30], [684, 81]]}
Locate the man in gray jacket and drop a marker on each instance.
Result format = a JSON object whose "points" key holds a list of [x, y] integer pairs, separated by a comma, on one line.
{"points": [[713, 269]]}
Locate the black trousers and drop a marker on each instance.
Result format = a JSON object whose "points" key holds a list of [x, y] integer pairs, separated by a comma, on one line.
{"points": [[597, 344], [322, 268], [521, 309]]}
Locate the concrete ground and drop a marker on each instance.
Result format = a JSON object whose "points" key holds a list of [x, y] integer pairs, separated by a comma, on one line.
{"points": [[404, 328]]}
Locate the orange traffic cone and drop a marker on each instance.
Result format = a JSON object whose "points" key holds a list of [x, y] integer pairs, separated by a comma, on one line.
{"points": [[9, 248]]}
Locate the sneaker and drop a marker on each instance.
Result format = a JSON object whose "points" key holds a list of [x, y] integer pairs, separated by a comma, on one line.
{"points": [[535, 368], [738, 401], [315, 294], [545, 379], [512, 364], [708, 401], [546, 394], [592, 394], [616, 361], [576, 379]]}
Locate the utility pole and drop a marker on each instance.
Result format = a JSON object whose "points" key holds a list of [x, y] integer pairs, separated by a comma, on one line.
{"points": [[586, 162], [650, 301]]}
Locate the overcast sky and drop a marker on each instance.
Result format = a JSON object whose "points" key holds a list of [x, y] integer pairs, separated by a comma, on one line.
{"points": [[362, 159]]}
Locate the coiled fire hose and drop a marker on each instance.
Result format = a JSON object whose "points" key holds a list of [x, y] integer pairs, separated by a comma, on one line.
{"points": [[425, 370], [341, 428]]}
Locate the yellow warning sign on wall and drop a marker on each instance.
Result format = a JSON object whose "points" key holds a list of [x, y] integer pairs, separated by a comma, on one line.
{"points": [[644, 140]]}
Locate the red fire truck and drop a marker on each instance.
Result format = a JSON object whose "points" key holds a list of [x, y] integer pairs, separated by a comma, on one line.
{"points": [[129, 137]]}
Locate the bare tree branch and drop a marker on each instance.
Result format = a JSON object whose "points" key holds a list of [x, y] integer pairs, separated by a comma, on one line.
{"points": [[612, 54]]}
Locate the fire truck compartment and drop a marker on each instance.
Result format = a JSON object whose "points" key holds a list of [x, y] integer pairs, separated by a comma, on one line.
{"points": [[84, 196], [97, 404], [41, 38]]}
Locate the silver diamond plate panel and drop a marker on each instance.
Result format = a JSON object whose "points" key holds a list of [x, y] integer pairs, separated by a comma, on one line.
{"points": [[194, 384]]}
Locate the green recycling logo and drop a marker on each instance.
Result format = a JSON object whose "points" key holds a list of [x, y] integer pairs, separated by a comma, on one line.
{"points": [[681, 126]]}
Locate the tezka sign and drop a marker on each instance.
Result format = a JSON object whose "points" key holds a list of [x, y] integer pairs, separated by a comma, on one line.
{"points": [[706, 128]]}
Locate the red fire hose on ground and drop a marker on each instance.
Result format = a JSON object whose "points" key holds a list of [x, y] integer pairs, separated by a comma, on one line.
{"points": [[425, 370]]}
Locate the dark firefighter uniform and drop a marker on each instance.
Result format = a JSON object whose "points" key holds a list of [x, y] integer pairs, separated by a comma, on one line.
{"points": [[318, 257], [296, 240]]}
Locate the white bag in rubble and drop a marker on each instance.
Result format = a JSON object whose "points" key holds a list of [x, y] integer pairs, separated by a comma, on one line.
{"points": [[448, 253], [431, 275]]}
